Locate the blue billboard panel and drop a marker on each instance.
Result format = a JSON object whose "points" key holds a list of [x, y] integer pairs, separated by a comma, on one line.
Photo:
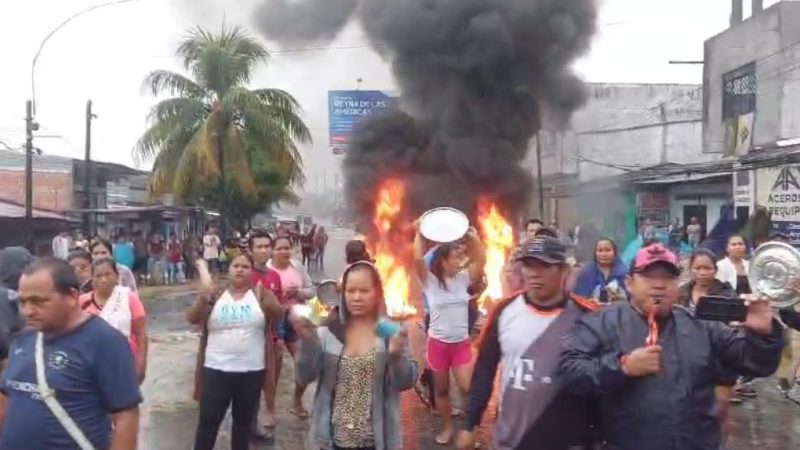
{"points": [[347, 108]]}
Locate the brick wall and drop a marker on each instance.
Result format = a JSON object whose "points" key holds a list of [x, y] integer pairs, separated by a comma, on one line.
{"points": [[50, 190]]}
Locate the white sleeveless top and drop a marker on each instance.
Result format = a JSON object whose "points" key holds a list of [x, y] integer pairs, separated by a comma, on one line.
{"points": [[117, 310], [236, 334]]}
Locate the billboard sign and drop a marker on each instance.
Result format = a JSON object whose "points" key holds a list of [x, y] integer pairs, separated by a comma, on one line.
{"points": [[778, 190], [347, 108]]}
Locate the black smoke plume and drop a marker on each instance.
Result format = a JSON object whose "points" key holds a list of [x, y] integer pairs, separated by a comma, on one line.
{"points": [[303, 21], [473, 76]]}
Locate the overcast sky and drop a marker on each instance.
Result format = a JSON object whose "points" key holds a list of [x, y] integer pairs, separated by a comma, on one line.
{"points": [[106, 54]]}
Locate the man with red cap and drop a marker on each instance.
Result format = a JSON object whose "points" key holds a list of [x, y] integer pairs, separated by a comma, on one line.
{"points": [[654, 365]]}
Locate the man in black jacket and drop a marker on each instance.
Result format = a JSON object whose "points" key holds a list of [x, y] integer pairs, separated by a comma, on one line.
{"points": [[525, 333], [656, 377]]}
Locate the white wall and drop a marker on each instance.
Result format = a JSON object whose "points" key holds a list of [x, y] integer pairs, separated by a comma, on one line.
{"points": [[713, 203], [624, 127], [770, 39]]}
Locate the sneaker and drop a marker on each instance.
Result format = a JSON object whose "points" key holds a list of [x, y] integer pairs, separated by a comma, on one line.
{"points": [[735, 400]]}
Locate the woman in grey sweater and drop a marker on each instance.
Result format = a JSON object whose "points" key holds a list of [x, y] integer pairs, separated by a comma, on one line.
{"points": [[346, 352]]}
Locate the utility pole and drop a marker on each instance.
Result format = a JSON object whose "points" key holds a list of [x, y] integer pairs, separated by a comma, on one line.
{"points": [[87, 170], [539, 180], [30, 127]]}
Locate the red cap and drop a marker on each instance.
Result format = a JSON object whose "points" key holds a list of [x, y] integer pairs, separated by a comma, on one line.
{"points": [[654, 254]]}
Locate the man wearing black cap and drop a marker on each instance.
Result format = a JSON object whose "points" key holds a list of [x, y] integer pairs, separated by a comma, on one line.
{"points": [[654, 365], [525, 334]]}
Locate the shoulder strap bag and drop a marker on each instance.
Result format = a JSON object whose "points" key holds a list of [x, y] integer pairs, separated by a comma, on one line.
{"points": [[49, 398]]}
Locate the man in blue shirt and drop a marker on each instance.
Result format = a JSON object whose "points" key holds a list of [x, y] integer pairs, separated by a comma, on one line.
{"points": [[88, 365]]}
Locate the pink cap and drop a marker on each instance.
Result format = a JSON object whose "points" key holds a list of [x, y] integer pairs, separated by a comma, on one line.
{"points": [[655, 253]]}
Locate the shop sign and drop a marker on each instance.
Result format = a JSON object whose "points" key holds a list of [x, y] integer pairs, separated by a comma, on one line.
{"points": [[778, 190], [743, 188]]}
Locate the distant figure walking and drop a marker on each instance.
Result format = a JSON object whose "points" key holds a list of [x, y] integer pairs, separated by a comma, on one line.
{"points": [[320, 242], [694, 233], [307, 246]]}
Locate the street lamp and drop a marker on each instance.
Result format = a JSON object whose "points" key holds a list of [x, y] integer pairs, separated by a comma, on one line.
{"points": [[31, 125], [54, 31]]}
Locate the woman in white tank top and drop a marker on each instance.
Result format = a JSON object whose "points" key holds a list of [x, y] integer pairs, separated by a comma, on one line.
{"points": [[234, 352]]}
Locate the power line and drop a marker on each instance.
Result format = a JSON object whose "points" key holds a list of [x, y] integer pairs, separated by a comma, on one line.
{"points": [[8, 147]]}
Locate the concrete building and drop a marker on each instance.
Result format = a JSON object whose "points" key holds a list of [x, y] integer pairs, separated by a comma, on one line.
{"points": [[752, 108], [752, 80], [52, 180], [623, 129]]}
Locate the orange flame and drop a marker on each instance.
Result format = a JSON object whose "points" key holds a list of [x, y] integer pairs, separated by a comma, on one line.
{"points": [[498, 237], [387, 249]]}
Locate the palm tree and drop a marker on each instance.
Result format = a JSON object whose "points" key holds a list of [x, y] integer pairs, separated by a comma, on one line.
{"points": [[210, 130]]}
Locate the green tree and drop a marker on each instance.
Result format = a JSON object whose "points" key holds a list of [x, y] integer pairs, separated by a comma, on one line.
{"points": [[271, 187], [206, 136]]}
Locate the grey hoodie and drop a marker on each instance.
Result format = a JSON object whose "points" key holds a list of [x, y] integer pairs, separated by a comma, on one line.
{"points": [[13, 261], [318, 360]]}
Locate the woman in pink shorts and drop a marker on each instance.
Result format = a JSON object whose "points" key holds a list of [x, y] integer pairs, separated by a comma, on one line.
{"points": [[446, 287]]}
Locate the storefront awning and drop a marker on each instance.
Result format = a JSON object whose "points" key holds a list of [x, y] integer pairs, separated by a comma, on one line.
{"points": [[685, 178]]}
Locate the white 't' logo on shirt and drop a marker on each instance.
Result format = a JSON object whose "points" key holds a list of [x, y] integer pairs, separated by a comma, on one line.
{"points": [[522, 373]]}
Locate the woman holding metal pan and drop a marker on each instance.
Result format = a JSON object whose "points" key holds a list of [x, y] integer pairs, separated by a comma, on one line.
{"points": [[446, 288]]}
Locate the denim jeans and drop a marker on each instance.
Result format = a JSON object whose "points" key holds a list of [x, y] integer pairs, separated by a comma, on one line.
{"points": [[175, 272]]}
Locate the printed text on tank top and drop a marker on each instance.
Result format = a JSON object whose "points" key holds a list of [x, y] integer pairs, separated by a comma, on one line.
{"points": [[236, 334]]}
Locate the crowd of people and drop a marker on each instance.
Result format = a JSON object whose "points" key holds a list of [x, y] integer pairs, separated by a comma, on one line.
{"points": [[598, 355], [154, 259]]}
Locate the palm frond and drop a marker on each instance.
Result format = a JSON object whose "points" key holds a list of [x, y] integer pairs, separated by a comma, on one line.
{"points": [[193, 43], [179, 110], [237, 161], [207, 146], [279, 105], [224, 60], [174, 122], [266, 134], [185, 180], [163, 81]]}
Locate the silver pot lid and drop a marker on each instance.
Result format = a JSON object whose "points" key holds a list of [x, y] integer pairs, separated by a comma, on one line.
{"points": [[774, 267], [328, 293]]}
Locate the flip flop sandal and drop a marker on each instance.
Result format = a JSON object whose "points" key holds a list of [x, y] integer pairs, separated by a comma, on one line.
{"points": [[443, 443], [420, 391], [303, 414]]}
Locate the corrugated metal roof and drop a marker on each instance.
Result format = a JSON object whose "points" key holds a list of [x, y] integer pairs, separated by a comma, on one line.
{"points": [[16, 211], [683, 178], [12, 160]]}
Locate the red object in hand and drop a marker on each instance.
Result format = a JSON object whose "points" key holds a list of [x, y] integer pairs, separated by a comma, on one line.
{"points": [[652, 336]]}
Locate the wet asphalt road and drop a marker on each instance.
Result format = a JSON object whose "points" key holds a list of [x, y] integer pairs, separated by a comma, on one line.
{"points": [[768, 422]]}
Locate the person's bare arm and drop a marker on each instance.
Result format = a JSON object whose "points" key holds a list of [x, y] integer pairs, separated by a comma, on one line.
{"points": [[477, 255], [201, 308], [275, 311], [419, 257], [139, 330], [3, 406], [126, 429], [197, 313]]}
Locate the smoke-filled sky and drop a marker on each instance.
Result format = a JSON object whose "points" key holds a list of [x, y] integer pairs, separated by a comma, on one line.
{"points": [[106, 55], [471, 75]]}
